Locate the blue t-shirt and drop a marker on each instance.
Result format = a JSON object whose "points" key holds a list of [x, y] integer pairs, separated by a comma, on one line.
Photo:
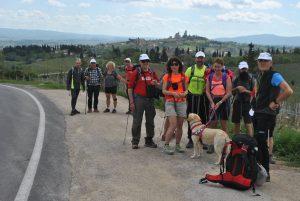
{"points": [[276, 79]]}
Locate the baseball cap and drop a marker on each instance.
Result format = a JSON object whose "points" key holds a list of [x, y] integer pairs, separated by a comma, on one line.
{"points": [[200, 54], [127, 59], [265, 56], [243, 64], [93, 61], [144, 57]]}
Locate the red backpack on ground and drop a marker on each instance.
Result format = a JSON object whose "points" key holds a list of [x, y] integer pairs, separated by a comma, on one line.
{"points": [[241, 165]]}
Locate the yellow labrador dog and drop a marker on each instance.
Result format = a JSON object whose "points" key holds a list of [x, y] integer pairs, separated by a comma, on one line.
{"points": [[208, 136]]}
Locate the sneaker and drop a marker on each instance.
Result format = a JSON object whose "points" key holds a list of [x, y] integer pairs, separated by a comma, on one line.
{"points": [[76, 111], [89, 111], [73, 113], [179, 149], [135, 146], [190, 144], [149, 143], [168, 149], [268, 178], [96, 110], [128, 112], [272, 161], [210, 149], [114, 111], [106, 110]]}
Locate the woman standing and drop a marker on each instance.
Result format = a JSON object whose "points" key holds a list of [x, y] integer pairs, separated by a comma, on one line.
{"points": [[218, 90], [175, 90], [111, 78]]}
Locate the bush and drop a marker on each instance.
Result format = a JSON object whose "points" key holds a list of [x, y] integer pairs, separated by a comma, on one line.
{"points": [[287, 145]]}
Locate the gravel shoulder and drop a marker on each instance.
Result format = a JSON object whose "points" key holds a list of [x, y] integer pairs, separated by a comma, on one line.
{"points": [[104, 169]]}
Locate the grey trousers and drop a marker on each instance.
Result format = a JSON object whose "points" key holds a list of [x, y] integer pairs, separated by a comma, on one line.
{"points": [[143, 104]]}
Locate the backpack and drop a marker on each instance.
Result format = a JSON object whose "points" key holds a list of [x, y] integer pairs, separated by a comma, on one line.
{"points": [[210, 77], [169, 82], [114, 73], [240, 171], [192, 74]]}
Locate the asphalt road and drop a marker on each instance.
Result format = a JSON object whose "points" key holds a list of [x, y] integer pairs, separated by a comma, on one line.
{"points": [[19, 122]]}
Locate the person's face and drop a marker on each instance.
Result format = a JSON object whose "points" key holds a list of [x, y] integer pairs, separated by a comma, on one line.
{"points": [[243, 70], [218, 67], [78, 63], [175, 66], [145, 64], [110, 67], [127, 63], [93, 64], [264, 65], [199, 60]]}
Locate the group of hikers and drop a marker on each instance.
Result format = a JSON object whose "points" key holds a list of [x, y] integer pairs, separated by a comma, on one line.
{"points": [[208, 92]]}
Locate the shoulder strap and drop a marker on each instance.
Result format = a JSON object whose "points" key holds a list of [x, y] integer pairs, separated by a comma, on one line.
{"points": [[210, 77], [183, 81], [224, 79], [169, 81]]}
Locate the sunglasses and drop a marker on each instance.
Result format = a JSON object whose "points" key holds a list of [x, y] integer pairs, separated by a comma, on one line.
{"points": [[175, 64], [126, 61], [145, 61], [262, 60], [93, 62]]}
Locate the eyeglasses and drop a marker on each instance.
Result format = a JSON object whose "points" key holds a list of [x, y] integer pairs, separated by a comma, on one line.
{"points": [[126, 61], [174, 64], [93, 62], [145, 61]]}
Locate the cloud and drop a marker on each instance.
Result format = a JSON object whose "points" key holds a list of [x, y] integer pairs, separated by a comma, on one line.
{"points": [[84, 5], [260, 5], [56, 3], [27, 1], [298, 5], [251, 17]]}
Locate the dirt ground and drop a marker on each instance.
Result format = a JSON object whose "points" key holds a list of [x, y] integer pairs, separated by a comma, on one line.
{"points": [[104, 169]]}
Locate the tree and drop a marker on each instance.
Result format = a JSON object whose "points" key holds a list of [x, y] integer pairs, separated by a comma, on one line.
{"points": [[157, 55], [229, 54], [241, 52], [185, 34], [177, 52], [251, 58], [152, 54], [164, 55], [283, 50], [1, 64], [188, 51]]}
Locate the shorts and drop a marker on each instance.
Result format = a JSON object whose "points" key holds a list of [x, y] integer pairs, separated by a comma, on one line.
{"points": [[175, 109], [222, 113], [111, 90], [241, 110]]}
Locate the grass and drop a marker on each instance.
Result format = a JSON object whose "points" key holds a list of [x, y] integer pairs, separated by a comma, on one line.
{"points": [[38, 84]]}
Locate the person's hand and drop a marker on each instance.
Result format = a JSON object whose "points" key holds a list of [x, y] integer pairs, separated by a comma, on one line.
{"points": [[273, 105], [241, 89], [132, 107], [217, 105], [176, 95], [182, 95], [212, 105], [87, 77], [154, 82]]}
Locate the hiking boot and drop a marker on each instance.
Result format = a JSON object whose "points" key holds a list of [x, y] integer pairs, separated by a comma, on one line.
{"points": [[190, 144], [96, 110], [210, 149], [149, 143], [205, 147], [114, 111], [135, 146], [90, 111], [128, 112], [268, 178], [73, 113], [272, 161], [106, 110], [179, 149], [168, 149], [76, 111]]}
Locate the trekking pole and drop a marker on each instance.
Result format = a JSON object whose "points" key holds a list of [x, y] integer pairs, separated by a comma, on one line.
{"points": [[126, 129], [85, 98]]}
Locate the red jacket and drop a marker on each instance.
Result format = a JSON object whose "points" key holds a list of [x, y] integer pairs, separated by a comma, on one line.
{"points": [[129, 71], [137, 82]]}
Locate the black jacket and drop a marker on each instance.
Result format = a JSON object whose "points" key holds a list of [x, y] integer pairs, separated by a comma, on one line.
{"points": [[77, 74]]}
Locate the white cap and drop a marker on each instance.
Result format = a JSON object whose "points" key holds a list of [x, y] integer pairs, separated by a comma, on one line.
{"points": [[243, 64], [265, 56], [200, 54], [144, 57], [93, 61], [127, 59]]}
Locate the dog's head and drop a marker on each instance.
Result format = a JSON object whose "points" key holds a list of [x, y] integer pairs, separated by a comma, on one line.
{"points": [[192, 117]]}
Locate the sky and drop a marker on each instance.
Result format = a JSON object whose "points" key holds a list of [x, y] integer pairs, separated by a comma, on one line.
{"points": [[155, 18]]}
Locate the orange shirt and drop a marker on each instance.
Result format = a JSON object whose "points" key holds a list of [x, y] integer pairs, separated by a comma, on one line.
{"points": [[175, 79], [217, 87]]}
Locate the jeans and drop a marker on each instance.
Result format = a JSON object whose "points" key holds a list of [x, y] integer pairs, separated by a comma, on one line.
{"points": [[74, 94], [93, 90]]}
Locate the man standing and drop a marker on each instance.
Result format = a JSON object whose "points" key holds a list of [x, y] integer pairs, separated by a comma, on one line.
{"points": [[141, 89], [75, 77], [93, 75], [129, 69], [243, 91], [272, 91], [196, 98]]}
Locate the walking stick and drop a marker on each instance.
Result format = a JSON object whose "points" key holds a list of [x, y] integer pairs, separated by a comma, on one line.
{"points": [[86, 92], [126, 129]]}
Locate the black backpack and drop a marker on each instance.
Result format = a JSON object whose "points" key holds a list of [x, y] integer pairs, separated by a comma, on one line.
{"points": [[240, 171]]}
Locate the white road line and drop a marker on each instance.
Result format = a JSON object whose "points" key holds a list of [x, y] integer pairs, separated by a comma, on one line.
{"points": [[26, 184]]}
